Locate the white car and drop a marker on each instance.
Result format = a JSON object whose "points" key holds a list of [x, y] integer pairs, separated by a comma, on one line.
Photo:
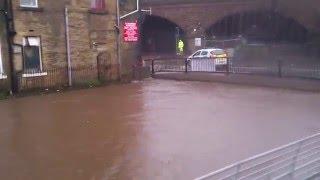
{"points": [[207, 60], [208, 53]]}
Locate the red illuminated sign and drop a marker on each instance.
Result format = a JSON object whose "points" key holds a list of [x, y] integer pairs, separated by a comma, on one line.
{"points": [[130, 32]]}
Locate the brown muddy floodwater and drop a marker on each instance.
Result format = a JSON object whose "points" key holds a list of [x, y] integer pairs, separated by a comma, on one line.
{"points": [[154, 129]]}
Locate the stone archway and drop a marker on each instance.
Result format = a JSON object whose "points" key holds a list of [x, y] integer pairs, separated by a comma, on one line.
{"points": [[263, 38], [259, 26], [159, 35]]}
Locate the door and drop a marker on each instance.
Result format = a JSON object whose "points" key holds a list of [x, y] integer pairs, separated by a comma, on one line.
{"points": [[203, 63]]}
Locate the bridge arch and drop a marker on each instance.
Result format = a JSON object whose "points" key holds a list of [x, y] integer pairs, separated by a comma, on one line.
{"points": [[160, 35], [262, 26]]}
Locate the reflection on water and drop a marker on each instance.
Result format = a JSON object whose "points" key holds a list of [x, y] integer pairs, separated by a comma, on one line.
{"points": [[77, 135], [149, 130]]}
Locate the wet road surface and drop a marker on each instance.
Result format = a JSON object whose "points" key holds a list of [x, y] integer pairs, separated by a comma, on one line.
{"points": [[155, 129]]}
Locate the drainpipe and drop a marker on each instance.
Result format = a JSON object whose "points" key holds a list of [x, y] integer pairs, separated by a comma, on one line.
{"points": [[119, 40], [68, 46], [10, 33]]}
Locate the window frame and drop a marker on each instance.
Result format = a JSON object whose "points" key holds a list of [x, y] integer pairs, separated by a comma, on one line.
{"points": [[196, 53], [40, 52], [95, 8], [30, 6]]}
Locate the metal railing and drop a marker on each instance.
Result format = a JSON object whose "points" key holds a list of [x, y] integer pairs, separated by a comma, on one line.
{"points": [[175, 64], [212, 66], [299, 160], [82, 76], [186, 65]]}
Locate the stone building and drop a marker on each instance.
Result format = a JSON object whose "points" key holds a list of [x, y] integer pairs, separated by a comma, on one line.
{"points": [[56, 42]]}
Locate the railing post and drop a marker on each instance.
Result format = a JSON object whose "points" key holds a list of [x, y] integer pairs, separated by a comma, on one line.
{"points": [[295, 158], [152, 67], [280, 69], [228, 66], [186, 65], [236, 175]]}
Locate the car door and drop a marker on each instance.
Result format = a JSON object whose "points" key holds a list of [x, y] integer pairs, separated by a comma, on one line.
{"points": [[207, 65], [194, 61]]}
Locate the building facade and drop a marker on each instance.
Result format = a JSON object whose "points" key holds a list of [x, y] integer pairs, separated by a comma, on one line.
{"points": [[59, 43]]}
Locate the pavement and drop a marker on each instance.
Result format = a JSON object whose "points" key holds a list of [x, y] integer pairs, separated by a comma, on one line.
{"points": [[244, 79]]}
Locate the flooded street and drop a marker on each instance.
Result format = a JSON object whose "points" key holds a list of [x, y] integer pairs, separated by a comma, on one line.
{"points": [[155, 129]]}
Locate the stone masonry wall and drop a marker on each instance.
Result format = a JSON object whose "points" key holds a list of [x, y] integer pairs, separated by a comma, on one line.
{"points": [[80, 44], [201, 15], [129, 51], [90, 33], [93, 34], [47, 22]]}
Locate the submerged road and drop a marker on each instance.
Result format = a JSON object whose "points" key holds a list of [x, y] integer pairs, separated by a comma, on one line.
{"points": [[156, 129]]}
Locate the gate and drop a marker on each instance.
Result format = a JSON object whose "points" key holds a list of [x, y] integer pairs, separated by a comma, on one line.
{"points": [[107, 71], [178, 64]]}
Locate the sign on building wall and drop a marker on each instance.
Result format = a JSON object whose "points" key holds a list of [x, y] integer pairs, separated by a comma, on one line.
{"points": [[130, 32], [197, 42]]}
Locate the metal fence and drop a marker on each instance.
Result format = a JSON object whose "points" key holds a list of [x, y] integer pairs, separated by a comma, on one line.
{"points": [[279, 69], [176, 64], [48, 78], [58, 77], [299, 160], [186, 65]]}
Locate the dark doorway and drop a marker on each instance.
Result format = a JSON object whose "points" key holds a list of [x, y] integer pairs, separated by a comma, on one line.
{"points": [[159, 36]]}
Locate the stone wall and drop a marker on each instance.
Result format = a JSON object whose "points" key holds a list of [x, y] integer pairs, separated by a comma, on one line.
{"points": [[195, 18], [90, 33], [208, 11], [129, 51], [47, 22], [200, 15], [306, 12]]}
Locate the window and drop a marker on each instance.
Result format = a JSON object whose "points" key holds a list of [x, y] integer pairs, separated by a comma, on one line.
{"points": [[98, 5], [32, 54], [197, 54], [204, 53], [29, 3]]}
